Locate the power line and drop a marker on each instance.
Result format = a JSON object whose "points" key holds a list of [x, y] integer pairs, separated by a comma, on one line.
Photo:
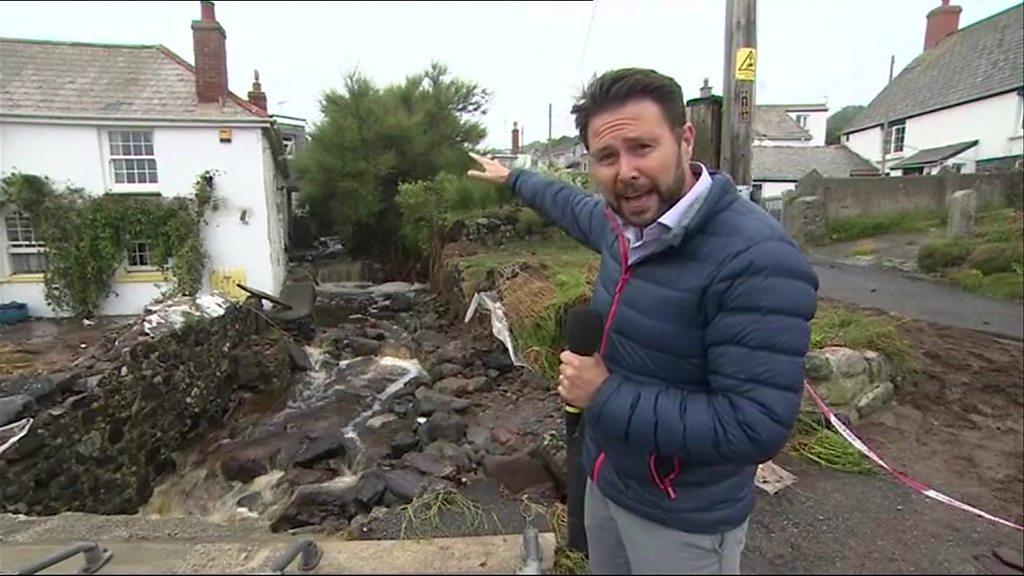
{"points": [[583, 53]]}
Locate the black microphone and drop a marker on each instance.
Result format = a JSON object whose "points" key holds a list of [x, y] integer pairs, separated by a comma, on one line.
{"points": [[584, 330]]}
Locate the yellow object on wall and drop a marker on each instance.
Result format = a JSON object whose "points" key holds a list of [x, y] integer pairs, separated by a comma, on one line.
{"points": [[226, 281]]}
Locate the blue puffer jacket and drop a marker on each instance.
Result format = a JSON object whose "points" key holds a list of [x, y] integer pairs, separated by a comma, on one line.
{"points": [[705, 343]]}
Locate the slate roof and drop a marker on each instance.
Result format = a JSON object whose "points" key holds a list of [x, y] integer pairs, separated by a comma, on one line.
{"points": [[933, 155], [983, 59], [772, 122], [791, 163], [104, 81]]}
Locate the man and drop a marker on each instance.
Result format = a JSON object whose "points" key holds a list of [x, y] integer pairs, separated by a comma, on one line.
{"points": [[706, 304]]}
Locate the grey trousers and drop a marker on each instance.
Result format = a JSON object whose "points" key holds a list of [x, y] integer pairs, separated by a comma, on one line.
{"points": [[619, 542]]}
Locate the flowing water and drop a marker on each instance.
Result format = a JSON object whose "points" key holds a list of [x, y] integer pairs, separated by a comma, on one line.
{"points": [[199, 489]]}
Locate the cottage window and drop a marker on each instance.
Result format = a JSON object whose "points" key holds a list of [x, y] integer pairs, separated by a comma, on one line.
{"points": [[140, 257], [27, 254], [895, 137], [132, 160], [801, 119]]}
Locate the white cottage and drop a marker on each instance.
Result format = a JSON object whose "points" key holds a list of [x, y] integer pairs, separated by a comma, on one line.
{"points": [[960, 103], [140, 120]]}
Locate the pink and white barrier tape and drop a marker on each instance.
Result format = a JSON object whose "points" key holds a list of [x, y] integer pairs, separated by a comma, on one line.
{"points": [[903, 478]]}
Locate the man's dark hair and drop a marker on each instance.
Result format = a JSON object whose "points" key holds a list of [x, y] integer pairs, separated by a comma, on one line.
{"points": [[617, 87]]}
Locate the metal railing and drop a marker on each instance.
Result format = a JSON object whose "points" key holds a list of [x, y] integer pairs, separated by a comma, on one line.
{"points": [[310, 552], [96, 557]]}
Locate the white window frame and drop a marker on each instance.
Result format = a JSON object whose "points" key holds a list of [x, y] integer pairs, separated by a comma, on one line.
{"points": [[110, 158], [890, 142], [288, 141], [14, 247], [801, 120], [129, 267]]}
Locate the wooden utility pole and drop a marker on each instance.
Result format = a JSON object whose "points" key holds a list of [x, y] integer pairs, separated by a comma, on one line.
{"points": [[549, 135], [740, 76], [885, 124]]}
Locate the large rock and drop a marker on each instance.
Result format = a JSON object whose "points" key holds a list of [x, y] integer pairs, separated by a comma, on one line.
{"points": [[405, 484], [443, 426], [818, 366], [16, 407], [370, 488], [429, 401], [481, 384], [430, 340], [849, 363], [841, 391], [499, 361], [878, 366], [323, 446], [330, 502], [445, 370], [875, 398], [364, 346], [962, 206], [403, 443], [35, 387], [450, 453], [518, 472], [429, 464], [451, 352]]}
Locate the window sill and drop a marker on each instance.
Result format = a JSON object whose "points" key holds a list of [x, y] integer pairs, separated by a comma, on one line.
{"points": [[134, 191], [24, 279], [142, 277], [1017, 136]]}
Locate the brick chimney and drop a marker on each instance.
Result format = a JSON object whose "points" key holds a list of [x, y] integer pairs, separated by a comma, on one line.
{"points": [[208, 43], [943, 21], [257, 97], [515, 138]]}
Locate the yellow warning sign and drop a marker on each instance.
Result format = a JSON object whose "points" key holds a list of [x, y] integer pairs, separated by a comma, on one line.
{"points": [[746, 64], [227, 280]]}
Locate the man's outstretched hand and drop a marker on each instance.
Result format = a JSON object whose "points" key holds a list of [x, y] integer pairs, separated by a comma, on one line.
{"points": [[492, 171]]}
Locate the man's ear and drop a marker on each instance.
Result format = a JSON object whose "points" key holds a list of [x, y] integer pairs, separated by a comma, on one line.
{"points": [[687, 136]]}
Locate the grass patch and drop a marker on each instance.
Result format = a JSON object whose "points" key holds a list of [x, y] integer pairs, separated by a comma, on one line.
{"points": [[989, 262], [857, 227], [834, 325], [813, 440], [423, 515]]}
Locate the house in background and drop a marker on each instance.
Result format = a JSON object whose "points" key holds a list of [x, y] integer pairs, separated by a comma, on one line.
{"points": [[294, 140], [776, 169], [141, 121], [790, 124], [514, 157], [960, 103]]}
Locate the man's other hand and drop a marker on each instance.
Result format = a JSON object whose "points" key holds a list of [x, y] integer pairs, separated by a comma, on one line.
{"points": [[492, 171], [580, 377]]}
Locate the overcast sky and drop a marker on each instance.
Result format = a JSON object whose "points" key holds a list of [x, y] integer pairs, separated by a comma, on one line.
{"points": [[527, 54]]}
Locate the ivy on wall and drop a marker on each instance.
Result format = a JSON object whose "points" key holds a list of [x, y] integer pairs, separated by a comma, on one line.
{"points": [[87, 237]]}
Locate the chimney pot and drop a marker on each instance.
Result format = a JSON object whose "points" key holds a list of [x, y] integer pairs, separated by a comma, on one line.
{"points": [[943, 21], [207, 12], [257, 97]]}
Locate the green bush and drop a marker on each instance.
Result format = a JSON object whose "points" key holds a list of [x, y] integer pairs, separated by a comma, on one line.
{"points": [[945, 254], [993, 258], [529, 222], [857, 227], [428, 207]]}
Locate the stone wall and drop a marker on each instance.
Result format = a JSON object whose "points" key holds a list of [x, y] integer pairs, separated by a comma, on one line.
{"points": [[854, 383], [97, 444], [848, 197]]}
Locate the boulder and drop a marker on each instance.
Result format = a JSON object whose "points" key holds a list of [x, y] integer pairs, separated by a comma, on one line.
{"points": [[319, 504], [848, 363], [429, 464], [445, 370], [404, 484], [518, 472], [443, 425], [35, 387], [453, 386], [364, 346], [403, 443], [818, 366], [13, 408], [498, 361], [370, 488], [875, 398], [481, 384], [429, 401]]}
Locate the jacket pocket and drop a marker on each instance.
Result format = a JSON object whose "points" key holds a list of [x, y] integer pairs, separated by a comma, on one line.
{"points": [[664, 482]]}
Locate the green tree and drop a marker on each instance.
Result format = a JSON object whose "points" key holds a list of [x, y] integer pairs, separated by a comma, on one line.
{"points": [[837, 122], [373, 139]]}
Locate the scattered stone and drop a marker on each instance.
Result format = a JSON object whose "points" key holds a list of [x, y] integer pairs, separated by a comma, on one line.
{"points": [[318, 504], [298, 355], [445, 370], [878, 367], [453, 386], [428, 464], [429, 401], [493, 374], [321, 447], [404, 484], [253, 501], [14, 408], [403, 443], [502, 436], [300, 476], [443, 425], [498, 361], [33, 386], [430, 340], [376, 334], [481, 384], [478, 437], [243, 466], [450, 353], [364, 346], [518, 472], [380, 420], [450, 453], [370, 488]]}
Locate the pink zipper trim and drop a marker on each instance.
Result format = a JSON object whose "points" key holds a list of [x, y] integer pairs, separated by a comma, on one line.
{"points": [[597, 466], [664, 484]]}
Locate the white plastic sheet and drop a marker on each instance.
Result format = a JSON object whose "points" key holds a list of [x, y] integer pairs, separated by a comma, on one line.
{"points": [[499, 322]]}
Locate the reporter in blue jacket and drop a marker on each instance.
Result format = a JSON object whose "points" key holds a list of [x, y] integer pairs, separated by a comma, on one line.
{"points": [[707, 303]]}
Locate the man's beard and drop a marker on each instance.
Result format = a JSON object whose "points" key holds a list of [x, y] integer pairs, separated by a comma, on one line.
{"points": [[667, 196]]}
